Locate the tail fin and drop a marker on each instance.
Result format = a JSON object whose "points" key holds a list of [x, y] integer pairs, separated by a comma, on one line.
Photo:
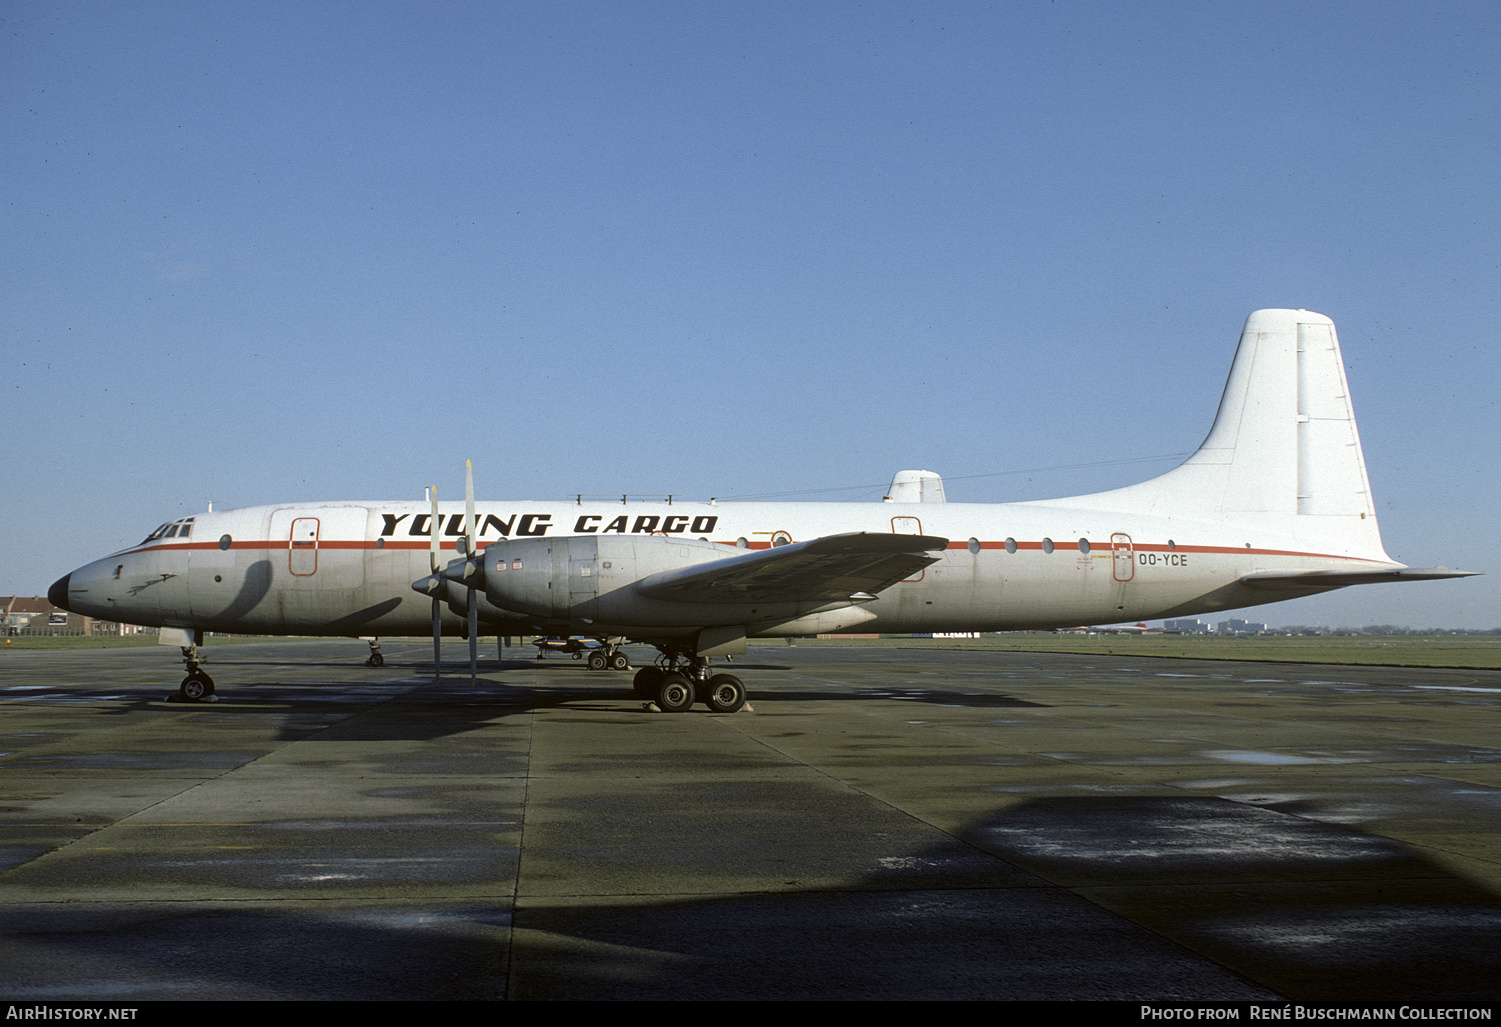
{"points": [[1284, 453]]}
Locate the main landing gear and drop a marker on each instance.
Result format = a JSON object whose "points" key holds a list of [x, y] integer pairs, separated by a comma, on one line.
{"points": [[197, 686], [376, 659], [684, 681], [610, 657]]}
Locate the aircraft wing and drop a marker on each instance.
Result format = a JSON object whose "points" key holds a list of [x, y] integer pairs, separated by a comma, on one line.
{"points": [[830, 568], [1339, 579]]}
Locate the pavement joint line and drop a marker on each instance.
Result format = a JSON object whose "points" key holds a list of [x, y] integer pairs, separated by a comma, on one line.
{"points": [[521, 851], [862, 791]]}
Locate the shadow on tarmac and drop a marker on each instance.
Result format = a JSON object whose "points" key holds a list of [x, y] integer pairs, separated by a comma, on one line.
{"points": [[1119, 898]]}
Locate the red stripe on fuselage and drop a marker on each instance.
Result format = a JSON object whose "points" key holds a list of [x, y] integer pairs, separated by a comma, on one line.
{"points": [[1101, 549]]}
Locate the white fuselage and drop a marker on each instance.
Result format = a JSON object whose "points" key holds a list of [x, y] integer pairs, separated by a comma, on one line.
{"points": [[348, 568]]}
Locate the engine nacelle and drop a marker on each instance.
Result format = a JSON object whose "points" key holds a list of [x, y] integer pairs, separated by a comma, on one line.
{"points": [[591, 579]]}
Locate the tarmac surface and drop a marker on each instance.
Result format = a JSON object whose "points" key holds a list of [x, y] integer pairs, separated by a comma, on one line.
{"points": [[901, 824]]}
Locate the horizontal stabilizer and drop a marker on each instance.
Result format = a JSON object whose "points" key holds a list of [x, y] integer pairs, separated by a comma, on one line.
{"points": [[822, 569], [1339, 579]]}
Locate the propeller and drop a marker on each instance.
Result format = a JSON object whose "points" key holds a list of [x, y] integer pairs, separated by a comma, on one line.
{"points": [[466, 572]]}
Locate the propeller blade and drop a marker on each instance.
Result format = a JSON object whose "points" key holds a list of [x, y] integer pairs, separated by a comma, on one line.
{"points": [[433, 525], [470, 525], [469, 516], [433, 557], [437, 638], [473, 640]]}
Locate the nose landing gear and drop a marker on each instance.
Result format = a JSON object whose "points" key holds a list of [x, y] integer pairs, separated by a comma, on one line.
{"points": [[197, 686], [376, 659]]}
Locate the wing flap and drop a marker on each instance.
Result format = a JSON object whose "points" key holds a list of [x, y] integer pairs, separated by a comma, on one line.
{"points": [[829, 568]]}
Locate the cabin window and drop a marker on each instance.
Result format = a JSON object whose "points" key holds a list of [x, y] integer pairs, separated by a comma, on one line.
{"points": [[1047, 545], [1084, 546], [1171, 544], [1010, 545], [225, 541], [974, 546], [741, 543]]}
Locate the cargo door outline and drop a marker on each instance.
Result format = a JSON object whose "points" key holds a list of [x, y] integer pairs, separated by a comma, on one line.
{"points": [[302, 547], [1122, 557], [908, 526]]}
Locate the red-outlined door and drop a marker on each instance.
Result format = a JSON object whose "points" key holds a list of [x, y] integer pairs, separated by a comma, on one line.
{"points": [[1123, 562], [908, 526], [302, 547]]}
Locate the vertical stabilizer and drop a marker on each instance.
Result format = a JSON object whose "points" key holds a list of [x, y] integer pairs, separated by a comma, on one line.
{"points": [[1283, 454]]}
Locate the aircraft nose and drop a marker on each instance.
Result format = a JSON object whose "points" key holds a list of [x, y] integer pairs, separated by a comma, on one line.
{"points": [[57, 595]]}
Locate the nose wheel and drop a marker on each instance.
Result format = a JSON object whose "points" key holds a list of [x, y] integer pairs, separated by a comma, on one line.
{"points": [[196, 687]]}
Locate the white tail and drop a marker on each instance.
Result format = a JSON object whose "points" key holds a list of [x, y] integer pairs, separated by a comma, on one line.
{"points": [[1284, 454]]}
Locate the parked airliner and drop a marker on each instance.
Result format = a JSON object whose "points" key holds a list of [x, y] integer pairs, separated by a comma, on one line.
{"points": [[1275, 504]]}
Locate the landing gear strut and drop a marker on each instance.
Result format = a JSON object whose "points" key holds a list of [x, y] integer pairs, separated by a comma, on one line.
{"points": [[376, 659], [687, 679]]}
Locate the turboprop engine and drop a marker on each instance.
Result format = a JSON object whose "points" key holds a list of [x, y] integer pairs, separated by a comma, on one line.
{"points": [[588, 578]]}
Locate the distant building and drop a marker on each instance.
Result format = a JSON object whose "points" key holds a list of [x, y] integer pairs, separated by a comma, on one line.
{"points": [[33, 615], [1236, 626], [1186, 626]]}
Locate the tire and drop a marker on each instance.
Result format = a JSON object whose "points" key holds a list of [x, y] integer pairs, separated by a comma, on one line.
{"points": [[726, 694], [646, 681], [196, 686], [376, 660], [620, 661], [674, 694], [597, 661]]}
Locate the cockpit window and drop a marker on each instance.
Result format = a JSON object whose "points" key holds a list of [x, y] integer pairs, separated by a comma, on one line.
{"points": [[172, 529]]}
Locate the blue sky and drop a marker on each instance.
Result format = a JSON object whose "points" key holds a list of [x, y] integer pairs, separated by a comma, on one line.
{"points": [[271, 252]]}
